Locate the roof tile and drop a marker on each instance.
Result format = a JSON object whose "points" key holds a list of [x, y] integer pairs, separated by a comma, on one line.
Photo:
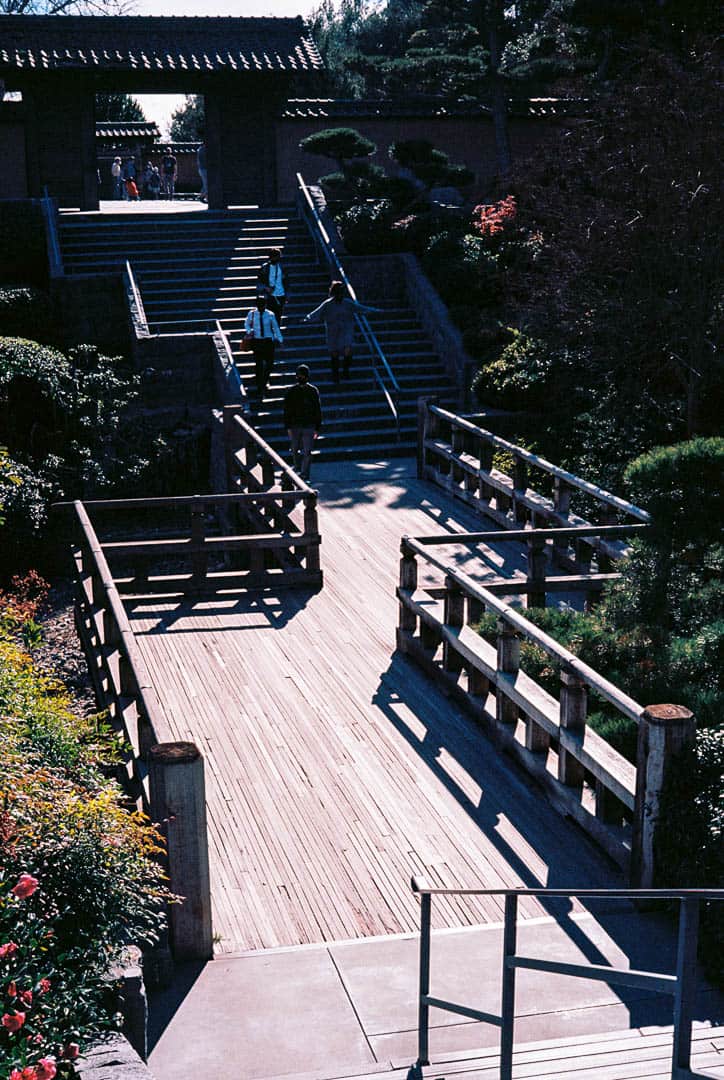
{"points": [[52, 42]]}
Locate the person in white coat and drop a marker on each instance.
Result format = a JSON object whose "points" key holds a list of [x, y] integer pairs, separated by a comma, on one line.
{"points": [[262, 328], [338, 315]]}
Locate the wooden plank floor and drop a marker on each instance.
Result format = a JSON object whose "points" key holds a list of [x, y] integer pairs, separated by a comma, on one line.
{"points": [[334, 768]]}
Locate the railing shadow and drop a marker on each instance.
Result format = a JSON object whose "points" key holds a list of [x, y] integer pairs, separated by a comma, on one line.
{"points": [[263, 610], [647, 939]]}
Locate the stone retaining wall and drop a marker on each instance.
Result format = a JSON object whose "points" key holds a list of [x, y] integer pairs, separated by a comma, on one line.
{"points": [[112, 1059], [400, 279]]}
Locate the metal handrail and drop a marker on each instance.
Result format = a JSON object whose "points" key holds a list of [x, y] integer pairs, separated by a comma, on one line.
{"points": [[236, 375], [51, 231], [143, 321], [681, 986], [322, 240]]}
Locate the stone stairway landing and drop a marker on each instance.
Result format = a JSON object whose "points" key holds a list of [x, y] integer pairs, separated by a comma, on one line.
{"points": [[196, 268]]}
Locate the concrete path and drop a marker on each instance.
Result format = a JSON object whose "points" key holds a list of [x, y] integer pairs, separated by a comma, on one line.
{"points": [[346, 1009]]}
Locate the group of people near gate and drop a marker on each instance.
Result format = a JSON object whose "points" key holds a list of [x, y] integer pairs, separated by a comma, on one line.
{"points": [[152, 181], [262, 335]]}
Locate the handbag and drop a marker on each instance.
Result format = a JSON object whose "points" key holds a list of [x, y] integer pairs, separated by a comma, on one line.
{"points": [[247, 342]]}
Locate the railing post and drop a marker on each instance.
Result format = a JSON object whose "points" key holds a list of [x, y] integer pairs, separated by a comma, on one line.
{"points": [[177, 796], [665, 732], [573, 711], [408, 582], [230, 446], [457, 440], [454, 617], [537, 564], [506, 711], [199, 555], [311, 528], [520, 485], [267, 473], [685, 980], [507, 1011], [426, 429], [562, 506], [423, 1023], [609, 516]]}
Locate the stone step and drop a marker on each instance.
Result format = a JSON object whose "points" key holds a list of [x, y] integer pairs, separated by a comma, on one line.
{"points": [[196, 273]]}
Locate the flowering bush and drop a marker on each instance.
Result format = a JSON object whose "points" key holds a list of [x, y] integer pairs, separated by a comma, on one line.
{"points": [[78, 878], [491, 221], [20, 603]]}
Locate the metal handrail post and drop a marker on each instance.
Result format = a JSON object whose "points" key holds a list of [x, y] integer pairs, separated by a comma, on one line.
{"points": [[507, 1010], [685, 982], [423, 1024]]}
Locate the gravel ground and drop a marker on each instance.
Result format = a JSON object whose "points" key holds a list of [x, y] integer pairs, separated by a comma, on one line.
{"points": [[59, 654]]}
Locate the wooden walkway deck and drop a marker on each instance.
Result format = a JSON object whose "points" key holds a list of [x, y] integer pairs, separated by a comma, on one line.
{"points": [[334, 769]]}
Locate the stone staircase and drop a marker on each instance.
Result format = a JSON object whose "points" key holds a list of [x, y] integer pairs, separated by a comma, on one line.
{"points": [[194, 268]]}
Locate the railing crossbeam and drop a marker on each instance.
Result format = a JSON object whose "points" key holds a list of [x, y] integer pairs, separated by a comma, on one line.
{"points": [[681, 985]]}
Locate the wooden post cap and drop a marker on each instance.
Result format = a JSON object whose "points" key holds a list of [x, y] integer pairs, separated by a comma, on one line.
{"points": [[667, 714], [174, 753]]}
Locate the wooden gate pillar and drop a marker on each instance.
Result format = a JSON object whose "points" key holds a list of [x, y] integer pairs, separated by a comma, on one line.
{"points": [[241, 141], [177, 796], [665, 732]]}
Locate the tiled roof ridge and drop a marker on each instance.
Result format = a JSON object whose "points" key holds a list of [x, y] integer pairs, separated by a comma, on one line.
{"points": [[224, 43], [67, 20]]}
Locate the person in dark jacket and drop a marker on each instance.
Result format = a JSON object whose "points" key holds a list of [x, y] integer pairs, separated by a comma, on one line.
{"points": [[273, 281], [302, 419]]}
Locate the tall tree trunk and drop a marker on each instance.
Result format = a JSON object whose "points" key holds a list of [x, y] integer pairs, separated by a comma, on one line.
{"points": [[498, 97]]}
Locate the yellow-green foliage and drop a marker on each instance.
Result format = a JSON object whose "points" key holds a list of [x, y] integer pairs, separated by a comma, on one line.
{"points": [[98, 883]]}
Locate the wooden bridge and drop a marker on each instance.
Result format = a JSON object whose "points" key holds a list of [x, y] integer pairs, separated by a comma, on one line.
{"points": [[341, 726]]}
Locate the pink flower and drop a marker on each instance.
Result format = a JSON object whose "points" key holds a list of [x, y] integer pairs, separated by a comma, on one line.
{"points": [[71, 1051], [44, 986], [15, 1075], [12, 990], [13, 1023], [8, 949], [25, 887], [27, 997], [45, 1069]]}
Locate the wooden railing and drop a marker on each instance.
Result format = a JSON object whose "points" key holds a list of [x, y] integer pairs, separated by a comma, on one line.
{"points": [[681, 986], [613, 800], [163, 776], [458, 455], [251, 469]]}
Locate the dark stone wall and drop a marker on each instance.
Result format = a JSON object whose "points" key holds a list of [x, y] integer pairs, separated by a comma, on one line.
{"points": [[59, 137], [240, 141], [177, 370], [23, 251], [13, 175], [93, 310], [469, 141]]}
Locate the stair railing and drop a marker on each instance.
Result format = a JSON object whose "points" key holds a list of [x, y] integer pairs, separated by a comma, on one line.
{"points": [[381, 368], [681, 986], [139, 312], [233, 369], [55, 255]]}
